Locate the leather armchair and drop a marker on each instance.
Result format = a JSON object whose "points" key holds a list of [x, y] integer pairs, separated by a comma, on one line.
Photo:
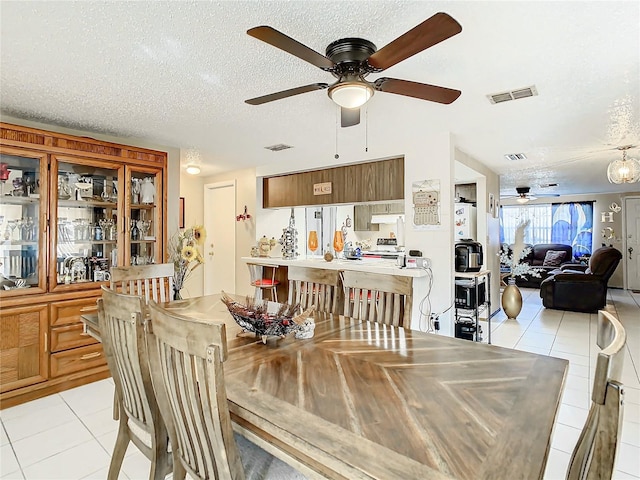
{"points": [[569, 288]]}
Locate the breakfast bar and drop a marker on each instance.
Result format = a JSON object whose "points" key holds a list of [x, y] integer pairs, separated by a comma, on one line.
{"points": [[387, 271]]}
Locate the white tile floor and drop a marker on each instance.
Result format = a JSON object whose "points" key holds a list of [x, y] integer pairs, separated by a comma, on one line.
{"points": [[70, 435]]}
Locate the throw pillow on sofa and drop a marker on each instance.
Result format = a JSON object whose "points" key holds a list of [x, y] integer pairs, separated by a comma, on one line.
{"points": [[553, 258]]}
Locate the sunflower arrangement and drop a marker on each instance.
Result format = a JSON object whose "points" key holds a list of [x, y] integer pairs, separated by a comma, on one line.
{"points": [[184, 252]]}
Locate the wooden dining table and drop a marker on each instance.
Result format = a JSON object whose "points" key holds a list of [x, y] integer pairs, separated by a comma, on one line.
{"points": [[363, 400]]}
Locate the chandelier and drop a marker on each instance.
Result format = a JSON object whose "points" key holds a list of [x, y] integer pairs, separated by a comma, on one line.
{"points": [[626, 170]]}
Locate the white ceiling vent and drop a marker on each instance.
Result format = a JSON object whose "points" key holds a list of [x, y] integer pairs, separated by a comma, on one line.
{"points": [[513, 95], [278, 147], [515, 156]]}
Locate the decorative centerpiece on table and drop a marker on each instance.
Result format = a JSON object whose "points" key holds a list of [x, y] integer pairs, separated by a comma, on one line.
{"points": [[511, 296], [257, 319], [185, 254]]}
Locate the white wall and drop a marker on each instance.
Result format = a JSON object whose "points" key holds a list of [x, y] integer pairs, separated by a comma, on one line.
{"points": [[488, 225]]}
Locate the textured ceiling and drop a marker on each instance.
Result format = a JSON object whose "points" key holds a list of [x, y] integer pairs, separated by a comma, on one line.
{"points": [[177, 73]]}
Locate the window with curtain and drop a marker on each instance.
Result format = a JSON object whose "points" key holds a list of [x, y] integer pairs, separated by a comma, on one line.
{"points": [[573, 225], [568, 223], [538, 231]]}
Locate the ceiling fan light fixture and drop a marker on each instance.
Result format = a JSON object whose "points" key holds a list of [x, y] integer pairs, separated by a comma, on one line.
{"points": [[626, 170], [193, 169], [350, 94], [522, 200]]}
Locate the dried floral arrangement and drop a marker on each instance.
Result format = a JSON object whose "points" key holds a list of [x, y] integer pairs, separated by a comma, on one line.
{"points": [[185, 254], [256, 319]]}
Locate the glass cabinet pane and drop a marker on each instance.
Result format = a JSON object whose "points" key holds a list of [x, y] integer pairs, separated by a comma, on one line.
{"points": [[86, 224], [144, 222], [20, 225]]}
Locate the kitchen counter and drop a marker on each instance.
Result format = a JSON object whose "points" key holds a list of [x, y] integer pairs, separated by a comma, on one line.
{"points": [[372, 265]]}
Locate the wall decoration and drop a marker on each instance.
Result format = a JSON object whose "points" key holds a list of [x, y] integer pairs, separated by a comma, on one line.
{"points": [[181, 213], [492, 205], [426, 205]]}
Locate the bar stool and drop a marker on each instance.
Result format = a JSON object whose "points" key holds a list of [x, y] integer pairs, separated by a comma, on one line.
{"points": [[262, 281]]}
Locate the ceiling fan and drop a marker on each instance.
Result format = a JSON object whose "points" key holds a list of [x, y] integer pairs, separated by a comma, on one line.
{"points": [[524, 196], [350, 60]]}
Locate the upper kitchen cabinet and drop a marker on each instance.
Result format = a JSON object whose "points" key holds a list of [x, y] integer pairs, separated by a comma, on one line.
{"points": [[23, 200], [380, 181]]}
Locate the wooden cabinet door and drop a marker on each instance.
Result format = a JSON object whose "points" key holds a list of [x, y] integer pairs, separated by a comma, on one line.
{"points": [[23, 346], [362, 219]]}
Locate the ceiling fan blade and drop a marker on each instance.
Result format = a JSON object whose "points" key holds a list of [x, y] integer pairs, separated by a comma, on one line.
{"points": [[286, 93], [349, 116], [283, 42], [433, 93], [430, 32]]}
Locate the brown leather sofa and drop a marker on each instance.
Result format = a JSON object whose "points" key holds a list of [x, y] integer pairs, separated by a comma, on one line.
{"points": [[579, 288], [536, 259]]}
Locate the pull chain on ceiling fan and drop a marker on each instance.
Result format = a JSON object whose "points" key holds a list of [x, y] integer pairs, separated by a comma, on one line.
{"points": [[350, 60]]}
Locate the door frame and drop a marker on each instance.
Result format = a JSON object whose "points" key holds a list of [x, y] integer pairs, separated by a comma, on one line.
{"points": [[213, 186], [625, 281]]}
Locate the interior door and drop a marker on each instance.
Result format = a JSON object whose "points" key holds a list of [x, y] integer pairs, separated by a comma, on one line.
{"points": [[632, 247], [220, 246]]}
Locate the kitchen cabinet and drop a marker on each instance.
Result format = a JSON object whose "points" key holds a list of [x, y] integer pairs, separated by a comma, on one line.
{"points": [[391, 208], [362, 182], [70, 209], [362, 219]]}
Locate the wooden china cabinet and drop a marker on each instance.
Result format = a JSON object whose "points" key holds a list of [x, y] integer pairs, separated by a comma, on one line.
{"points": [[70, 208]]}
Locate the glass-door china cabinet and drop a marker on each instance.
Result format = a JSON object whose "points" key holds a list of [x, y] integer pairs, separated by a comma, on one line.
{"points": [[23, 197], [70, 209], [106, 215], [84, 226]]}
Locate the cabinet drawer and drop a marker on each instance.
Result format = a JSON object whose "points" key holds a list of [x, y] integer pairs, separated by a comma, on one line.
{"points": [[70, 336], [77, 360], [66, 313]]}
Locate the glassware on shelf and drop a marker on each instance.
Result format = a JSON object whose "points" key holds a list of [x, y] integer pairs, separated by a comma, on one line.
{"points": [[135, 233], [313, 241], [338, 241]]}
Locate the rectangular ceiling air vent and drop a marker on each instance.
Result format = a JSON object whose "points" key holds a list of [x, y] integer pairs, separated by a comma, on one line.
{"points": [[513, 94], [515, 156], [278, 147]]}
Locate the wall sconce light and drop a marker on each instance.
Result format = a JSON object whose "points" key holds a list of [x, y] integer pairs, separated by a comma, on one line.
{"points": [[243, 216]]}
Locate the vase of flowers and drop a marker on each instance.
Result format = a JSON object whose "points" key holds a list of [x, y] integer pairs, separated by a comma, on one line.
{"points": [[511, 296], [185, 254]]}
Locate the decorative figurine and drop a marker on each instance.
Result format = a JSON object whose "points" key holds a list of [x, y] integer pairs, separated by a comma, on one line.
{"points": [[289, 239], [265, 245], [135, 190], [148, 191]]}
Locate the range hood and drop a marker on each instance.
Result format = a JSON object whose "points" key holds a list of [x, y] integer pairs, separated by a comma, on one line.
{"points": [[387, 219]]}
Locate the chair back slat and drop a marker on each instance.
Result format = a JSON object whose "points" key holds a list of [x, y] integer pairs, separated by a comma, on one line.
{"points": [[121, 330], [148, 281], [595, 453], [186, 361], [314, 286], [378, 298]]}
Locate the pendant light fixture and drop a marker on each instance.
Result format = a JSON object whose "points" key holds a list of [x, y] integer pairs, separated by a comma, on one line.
{"points": [[626, 170]]}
